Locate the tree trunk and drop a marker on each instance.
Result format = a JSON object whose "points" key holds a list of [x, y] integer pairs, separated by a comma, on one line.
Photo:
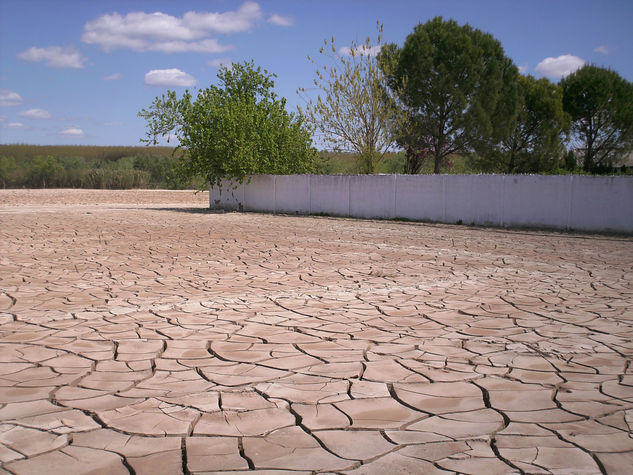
{"points": [[511, 164], [586, 165], [438, 161]]}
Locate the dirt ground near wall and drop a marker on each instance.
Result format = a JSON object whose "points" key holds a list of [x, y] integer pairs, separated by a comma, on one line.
{"points": [[81, 197], [141, 333]]}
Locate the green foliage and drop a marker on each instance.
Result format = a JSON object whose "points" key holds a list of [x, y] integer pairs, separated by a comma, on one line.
{"points": [[600, 103], [44, 172], [116, 179], [7, 170], [85, 153], [161, 169], [123, 163], [352, 112], [392, 162], [457, 86], [232, 130], [535, 144], [333, 163], [87, 167], [345, 163], [337, 163]]}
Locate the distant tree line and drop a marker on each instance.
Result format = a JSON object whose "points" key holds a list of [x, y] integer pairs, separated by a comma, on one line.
{"points": [[108, 167], [32, 166]]}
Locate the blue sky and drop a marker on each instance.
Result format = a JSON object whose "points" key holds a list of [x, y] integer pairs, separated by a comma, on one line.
{"points": [[77, 72]]}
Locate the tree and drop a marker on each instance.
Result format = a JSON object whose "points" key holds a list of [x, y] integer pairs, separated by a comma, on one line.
{"points": [[535, 143], [235, 129], [353, 113], [7, 169], [600, 103], [456, 85], [44, 172], [570, 161]]}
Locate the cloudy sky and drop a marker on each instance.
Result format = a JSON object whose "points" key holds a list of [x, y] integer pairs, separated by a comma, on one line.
{"points": [[77, 72]]}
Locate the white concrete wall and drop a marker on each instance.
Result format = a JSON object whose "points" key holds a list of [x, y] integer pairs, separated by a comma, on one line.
{"points": [[372, 196], [536, 200], [259, 193], [420, 197], [329, 194], [292, 194], [474, 199], [601, 203], [229, 197], [565, 202]]}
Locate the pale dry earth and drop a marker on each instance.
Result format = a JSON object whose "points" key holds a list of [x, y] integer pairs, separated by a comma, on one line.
{"points": [[141, 334]]}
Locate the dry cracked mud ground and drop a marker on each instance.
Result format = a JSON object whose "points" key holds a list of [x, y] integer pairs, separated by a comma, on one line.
{"points": [[141, 334]]}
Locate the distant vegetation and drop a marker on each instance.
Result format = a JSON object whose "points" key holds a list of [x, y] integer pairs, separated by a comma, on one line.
{"points": [[95, 167], [33, 166], [333, 163]]}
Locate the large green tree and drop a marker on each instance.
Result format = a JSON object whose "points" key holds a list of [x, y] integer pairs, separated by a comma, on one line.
{"points": [[352, 112], [457, 86], [535, 143], [600, 103], [234, 129]]}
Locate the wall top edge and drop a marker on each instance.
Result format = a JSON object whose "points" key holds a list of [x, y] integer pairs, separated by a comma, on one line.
{"points": [[626, 177]]}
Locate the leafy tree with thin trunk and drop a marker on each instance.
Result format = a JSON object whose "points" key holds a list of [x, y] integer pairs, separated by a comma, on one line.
{"points": [[232, 130], [600, 103], [457, 86], [353, 112], [7, 170], [535, 144]]}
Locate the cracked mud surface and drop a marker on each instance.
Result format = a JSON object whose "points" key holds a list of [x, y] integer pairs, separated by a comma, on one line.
{"points": [[140, 336]]}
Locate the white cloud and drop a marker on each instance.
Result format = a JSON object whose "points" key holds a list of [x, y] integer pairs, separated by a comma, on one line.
{"points": [[360, 49], [559, 67], [9, 98], [158, 31], [73, 132], [113, 77], [3, 118], [602, 49], [15, 125], [54, 56], [113, 124], [36, 114], [523, 69], [169, 77], [281, 20], [205, 46], [243, 19], [219, 62]]}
